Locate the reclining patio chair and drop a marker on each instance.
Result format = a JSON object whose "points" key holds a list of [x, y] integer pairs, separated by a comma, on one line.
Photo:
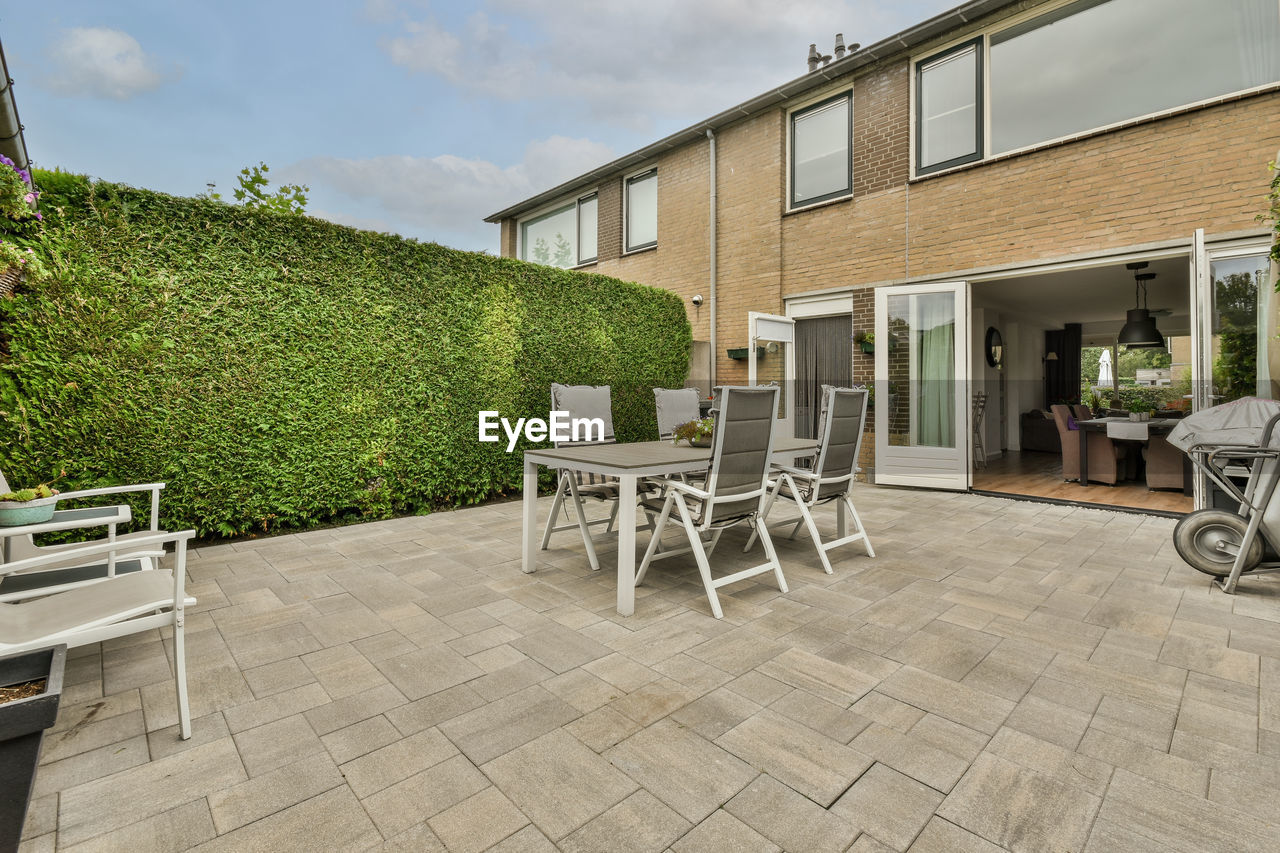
{"points": [[113, 607], [734, 491], [844, 412], [62, 570], [582, 401]]}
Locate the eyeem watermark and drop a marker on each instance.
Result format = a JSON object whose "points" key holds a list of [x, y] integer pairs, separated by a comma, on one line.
{"points": [[561, 427]]}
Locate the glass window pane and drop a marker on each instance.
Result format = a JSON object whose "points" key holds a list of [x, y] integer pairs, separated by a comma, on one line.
{"points": [[1100, 63], [820, 152], [1237, 284], [921, 386], [642, 211], [548, 239], [949, 108], [587, 229]]}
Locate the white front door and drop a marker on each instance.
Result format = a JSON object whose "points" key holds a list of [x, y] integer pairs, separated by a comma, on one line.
{"points": [[775, 335], [922, 405]]}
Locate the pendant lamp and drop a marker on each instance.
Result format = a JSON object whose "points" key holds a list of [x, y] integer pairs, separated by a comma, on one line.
{"points": [[1140, 327]]}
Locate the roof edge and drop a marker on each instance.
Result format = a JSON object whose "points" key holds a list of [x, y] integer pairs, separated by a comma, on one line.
{"points": [[894, 44]]}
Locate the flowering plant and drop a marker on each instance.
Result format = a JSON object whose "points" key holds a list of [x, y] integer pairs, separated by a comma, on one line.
{"points": [[27, 262], [699, 430], [17, 195]]}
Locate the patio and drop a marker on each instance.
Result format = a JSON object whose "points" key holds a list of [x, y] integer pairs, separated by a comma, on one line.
{"points": [[997, 677]]}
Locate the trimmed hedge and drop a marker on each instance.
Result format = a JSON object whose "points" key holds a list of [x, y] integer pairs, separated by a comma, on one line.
{"points": [[281, 371]]}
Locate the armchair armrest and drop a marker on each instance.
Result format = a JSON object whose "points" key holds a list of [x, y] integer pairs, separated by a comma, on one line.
{"points": [[104, 548], [154, 488]]}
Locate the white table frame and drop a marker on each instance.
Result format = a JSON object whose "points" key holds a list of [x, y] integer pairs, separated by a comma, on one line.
{"points": [[629, 463], [73, 519]]}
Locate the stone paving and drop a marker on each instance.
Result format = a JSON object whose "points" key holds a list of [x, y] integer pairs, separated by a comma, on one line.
{"points": [[1002, 675]]}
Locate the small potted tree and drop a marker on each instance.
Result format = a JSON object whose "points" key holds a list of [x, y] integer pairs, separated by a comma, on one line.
{"points": [[30, 689]]}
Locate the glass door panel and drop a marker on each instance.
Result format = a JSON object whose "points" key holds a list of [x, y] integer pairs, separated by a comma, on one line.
{"points": [[921, 405]]}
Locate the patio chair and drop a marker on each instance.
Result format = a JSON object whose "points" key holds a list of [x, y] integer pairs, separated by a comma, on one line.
{"points": [[582, 401], [831, 478], [675, 406], [61, 570], [734, 491], [110, 608]]}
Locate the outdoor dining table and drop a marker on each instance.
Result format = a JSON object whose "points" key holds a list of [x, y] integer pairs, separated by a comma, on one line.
{"points": [[629, 463], [1158, 425]]}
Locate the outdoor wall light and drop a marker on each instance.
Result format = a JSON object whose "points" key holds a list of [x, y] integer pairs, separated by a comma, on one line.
{"points": [[697, 301]]}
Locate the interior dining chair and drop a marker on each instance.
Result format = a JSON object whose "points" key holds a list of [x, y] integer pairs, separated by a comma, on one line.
{"points": [[733, 493], [575, 487], [112, 607], [834, 471]]}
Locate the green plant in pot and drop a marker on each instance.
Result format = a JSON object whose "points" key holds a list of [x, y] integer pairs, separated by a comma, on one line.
{"points": [[28, 506], [697, 433], [866, 341]]}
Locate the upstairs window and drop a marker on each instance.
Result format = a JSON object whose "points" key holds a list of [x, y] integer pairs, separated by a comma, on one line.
{"points": [[563, 237], [821, 137], [642, 211], [1086, 66], [1093, 64], [949, 86]]}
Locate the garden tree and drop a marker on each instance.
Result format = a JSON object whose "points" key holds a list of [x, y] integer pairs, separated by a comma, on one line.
{"points": [[252, 192], [1142, 358]]}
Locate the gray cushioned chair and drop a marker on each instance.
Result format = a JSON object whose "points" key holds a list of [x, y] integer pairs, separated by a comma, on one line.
{"points": [[734, 491], [830, 480], [583, 401]]}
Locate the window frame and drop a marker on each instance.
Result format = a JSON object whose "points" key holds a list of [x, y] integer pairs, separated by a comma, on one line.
{"points": [[979, 47], [798, 112], [573, 202], [627, 181], [1049, 12]]}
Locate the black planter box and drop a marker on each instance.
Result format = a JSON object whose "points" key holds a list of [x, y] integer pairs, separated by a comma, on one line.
{"points": [[22, 725]]}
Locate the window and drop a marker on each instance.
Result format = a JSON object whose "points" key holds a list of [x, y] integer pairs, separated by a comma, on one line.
{"points": [[820, 149], [949, 87], [642, 211], [1097, 64], [563, 237], [1087, 65]]}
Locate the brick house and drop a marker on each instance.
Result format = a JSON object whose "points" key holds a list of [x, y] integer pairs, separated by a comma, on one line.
{"points": [[1002, 165]]}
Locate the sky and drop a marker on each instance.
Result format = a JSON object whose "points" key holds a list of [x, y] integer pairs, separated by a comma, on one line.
{"points": [[414, 117]]}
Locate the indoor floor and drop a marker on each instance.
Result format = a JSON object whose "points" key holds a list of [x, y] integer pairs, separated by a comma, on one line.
{"points": [[1039, 475]]}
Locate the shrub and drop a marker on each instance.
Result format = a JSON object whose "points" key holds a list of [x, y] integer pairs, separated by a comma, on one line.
{"points": [[281, 371]]}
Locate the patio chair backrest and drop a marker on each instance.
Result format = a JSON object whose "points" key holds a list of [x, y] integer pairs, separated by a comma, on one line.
{"points": [[743, 443], [584, 401], [844, 413], [675, 406], [4, 485]]}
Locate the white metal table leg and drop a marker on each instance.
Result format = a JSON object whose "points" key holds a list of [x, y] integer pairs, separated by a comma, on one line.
{"points": [[626, 544], [529, 535]]}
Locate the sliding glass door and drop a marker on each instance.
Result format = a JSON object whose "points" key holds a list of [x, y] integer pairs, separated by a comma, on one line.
{"points": [[921, 399]]}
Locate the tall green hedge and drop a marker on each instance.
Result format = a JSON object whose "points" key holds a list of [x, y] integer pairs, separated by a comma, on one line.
{"points": [[280, 371]]}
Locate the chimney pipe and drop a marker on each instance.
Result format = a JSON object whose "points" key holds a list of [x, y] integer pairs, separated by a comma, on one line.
{"points": [[813, 57], [839, 51]]}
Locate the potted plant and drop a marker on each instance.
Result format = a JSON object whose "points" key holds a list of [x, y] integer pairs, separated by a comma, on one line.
{"points": [[866, 341], [30, 689], [28, 506], [697, 433]]}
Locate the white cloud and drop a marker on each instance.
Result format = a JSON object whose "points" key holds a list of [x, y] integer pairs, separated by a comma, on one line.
{"points": [[104, 63], [624, 62], [443, 198]]}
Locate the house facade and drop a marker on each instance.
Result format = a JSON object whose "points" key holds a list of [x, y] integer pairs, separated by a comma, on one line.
{"points": [[1001, 166]]}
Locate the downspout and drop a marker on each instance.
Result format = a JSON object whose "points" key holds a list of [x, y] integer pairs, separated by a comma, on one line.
{"points": [[711, 301], [12, 145]]}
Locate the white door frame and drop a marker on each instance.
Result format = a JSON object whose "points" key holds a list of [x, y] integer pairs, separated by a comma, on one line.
{"points": [[928, 467], [782, 330]]}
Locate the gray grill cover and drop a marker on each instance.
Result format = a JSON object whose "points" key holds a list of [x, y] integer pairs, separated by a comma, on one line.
{"points": [[1238, 422]]}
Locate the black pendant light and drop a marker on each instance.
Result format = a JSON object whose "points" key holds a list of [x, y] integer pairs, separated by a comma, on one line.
{"points": [[1140, 327]]}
